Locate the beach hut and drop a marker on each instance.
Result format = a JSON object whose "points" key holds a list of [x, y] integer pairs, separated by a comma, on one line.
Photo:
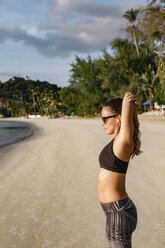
{"points": [[145, 104]]}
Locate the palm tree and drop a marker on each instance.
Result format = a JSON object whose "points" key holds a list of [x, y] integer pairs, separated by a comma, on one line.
{"points": [[152, 24], [148, 83], [131, 16], [34, 92]]}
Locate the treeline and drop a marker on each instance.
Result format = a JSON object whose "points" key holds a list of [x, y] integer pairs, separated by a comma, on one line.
{"points": [[24, 96], [136, 63]]}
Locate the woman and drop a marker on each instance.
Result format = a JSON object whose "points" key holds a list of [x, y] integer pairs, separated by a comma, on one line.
{"points": [[119, 118]]}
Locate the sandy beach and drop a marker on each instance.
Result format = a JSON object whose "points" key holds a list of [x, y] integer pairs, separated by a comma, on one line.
{"points": [[48, 186]]}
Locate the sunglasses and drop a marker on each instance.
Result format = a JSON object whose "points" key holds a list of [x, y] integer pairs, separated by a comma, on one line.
{"points": [[104, 118]]}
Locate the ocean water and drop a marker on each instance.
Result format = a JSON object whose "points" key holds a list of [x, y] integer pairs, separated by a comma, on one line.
{"points": [[13, 131]]}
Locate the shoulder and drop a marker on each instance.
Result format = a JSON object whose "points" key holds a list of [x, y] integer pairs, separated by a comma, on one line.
{"points": [[122, 149]]}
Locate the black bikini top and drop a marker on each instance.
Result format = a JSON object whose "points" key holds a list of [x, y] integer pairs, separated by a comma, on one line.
{"points": [[109, 161]]}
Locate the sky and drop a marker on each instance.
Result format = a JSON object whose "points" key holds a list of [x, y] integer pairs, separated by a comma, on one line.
{"points": [[40, 38]]}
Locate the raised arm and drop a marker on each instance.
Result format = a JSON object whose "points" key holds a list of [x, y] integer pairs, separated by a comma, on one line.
{"points": [[127, 114]]}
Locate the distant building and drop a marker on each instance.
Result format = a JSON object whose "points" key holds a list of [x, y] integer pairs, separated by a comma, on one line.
{"points": [[34, 115], [1, 102]]}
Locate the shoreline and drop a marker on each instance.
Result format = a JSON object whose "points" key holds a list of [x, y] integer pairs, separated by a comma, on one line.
{"points": [[144, 116], [34, 131]]}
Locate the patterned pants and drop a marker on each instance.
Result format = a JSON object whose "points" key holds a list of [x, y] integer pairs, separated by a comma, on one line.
{"points": [[121, 221]]}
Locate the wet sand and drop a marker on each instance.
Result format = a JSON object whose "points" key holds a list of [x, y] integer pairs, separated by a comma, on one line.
{"points": [[48, 186]]}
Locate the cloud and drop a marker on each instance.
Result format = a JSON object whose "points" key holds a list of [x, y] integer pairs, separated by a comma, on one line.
{"points": [[10, 74], [52, 46], [85, 7], [73, 26]]}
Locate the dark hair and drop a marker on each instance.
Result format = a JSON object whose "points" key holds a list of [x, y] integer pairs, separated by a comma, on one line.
{"points": [[115, 105]]}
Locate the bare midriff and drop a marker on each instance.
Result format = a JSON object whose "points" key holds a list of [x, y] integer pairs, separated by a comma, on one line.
{"points": [[111, 186]]}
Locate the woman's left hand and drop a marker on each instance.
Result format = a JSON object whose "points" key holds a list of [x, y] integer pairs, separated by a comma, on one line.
{"points": [[130, 97]]}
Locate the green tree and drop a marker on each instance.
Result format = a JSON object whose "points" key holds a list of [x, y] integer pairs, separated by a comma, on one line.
{"points": [[23, 96], [85, 79], [69, 99]]}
